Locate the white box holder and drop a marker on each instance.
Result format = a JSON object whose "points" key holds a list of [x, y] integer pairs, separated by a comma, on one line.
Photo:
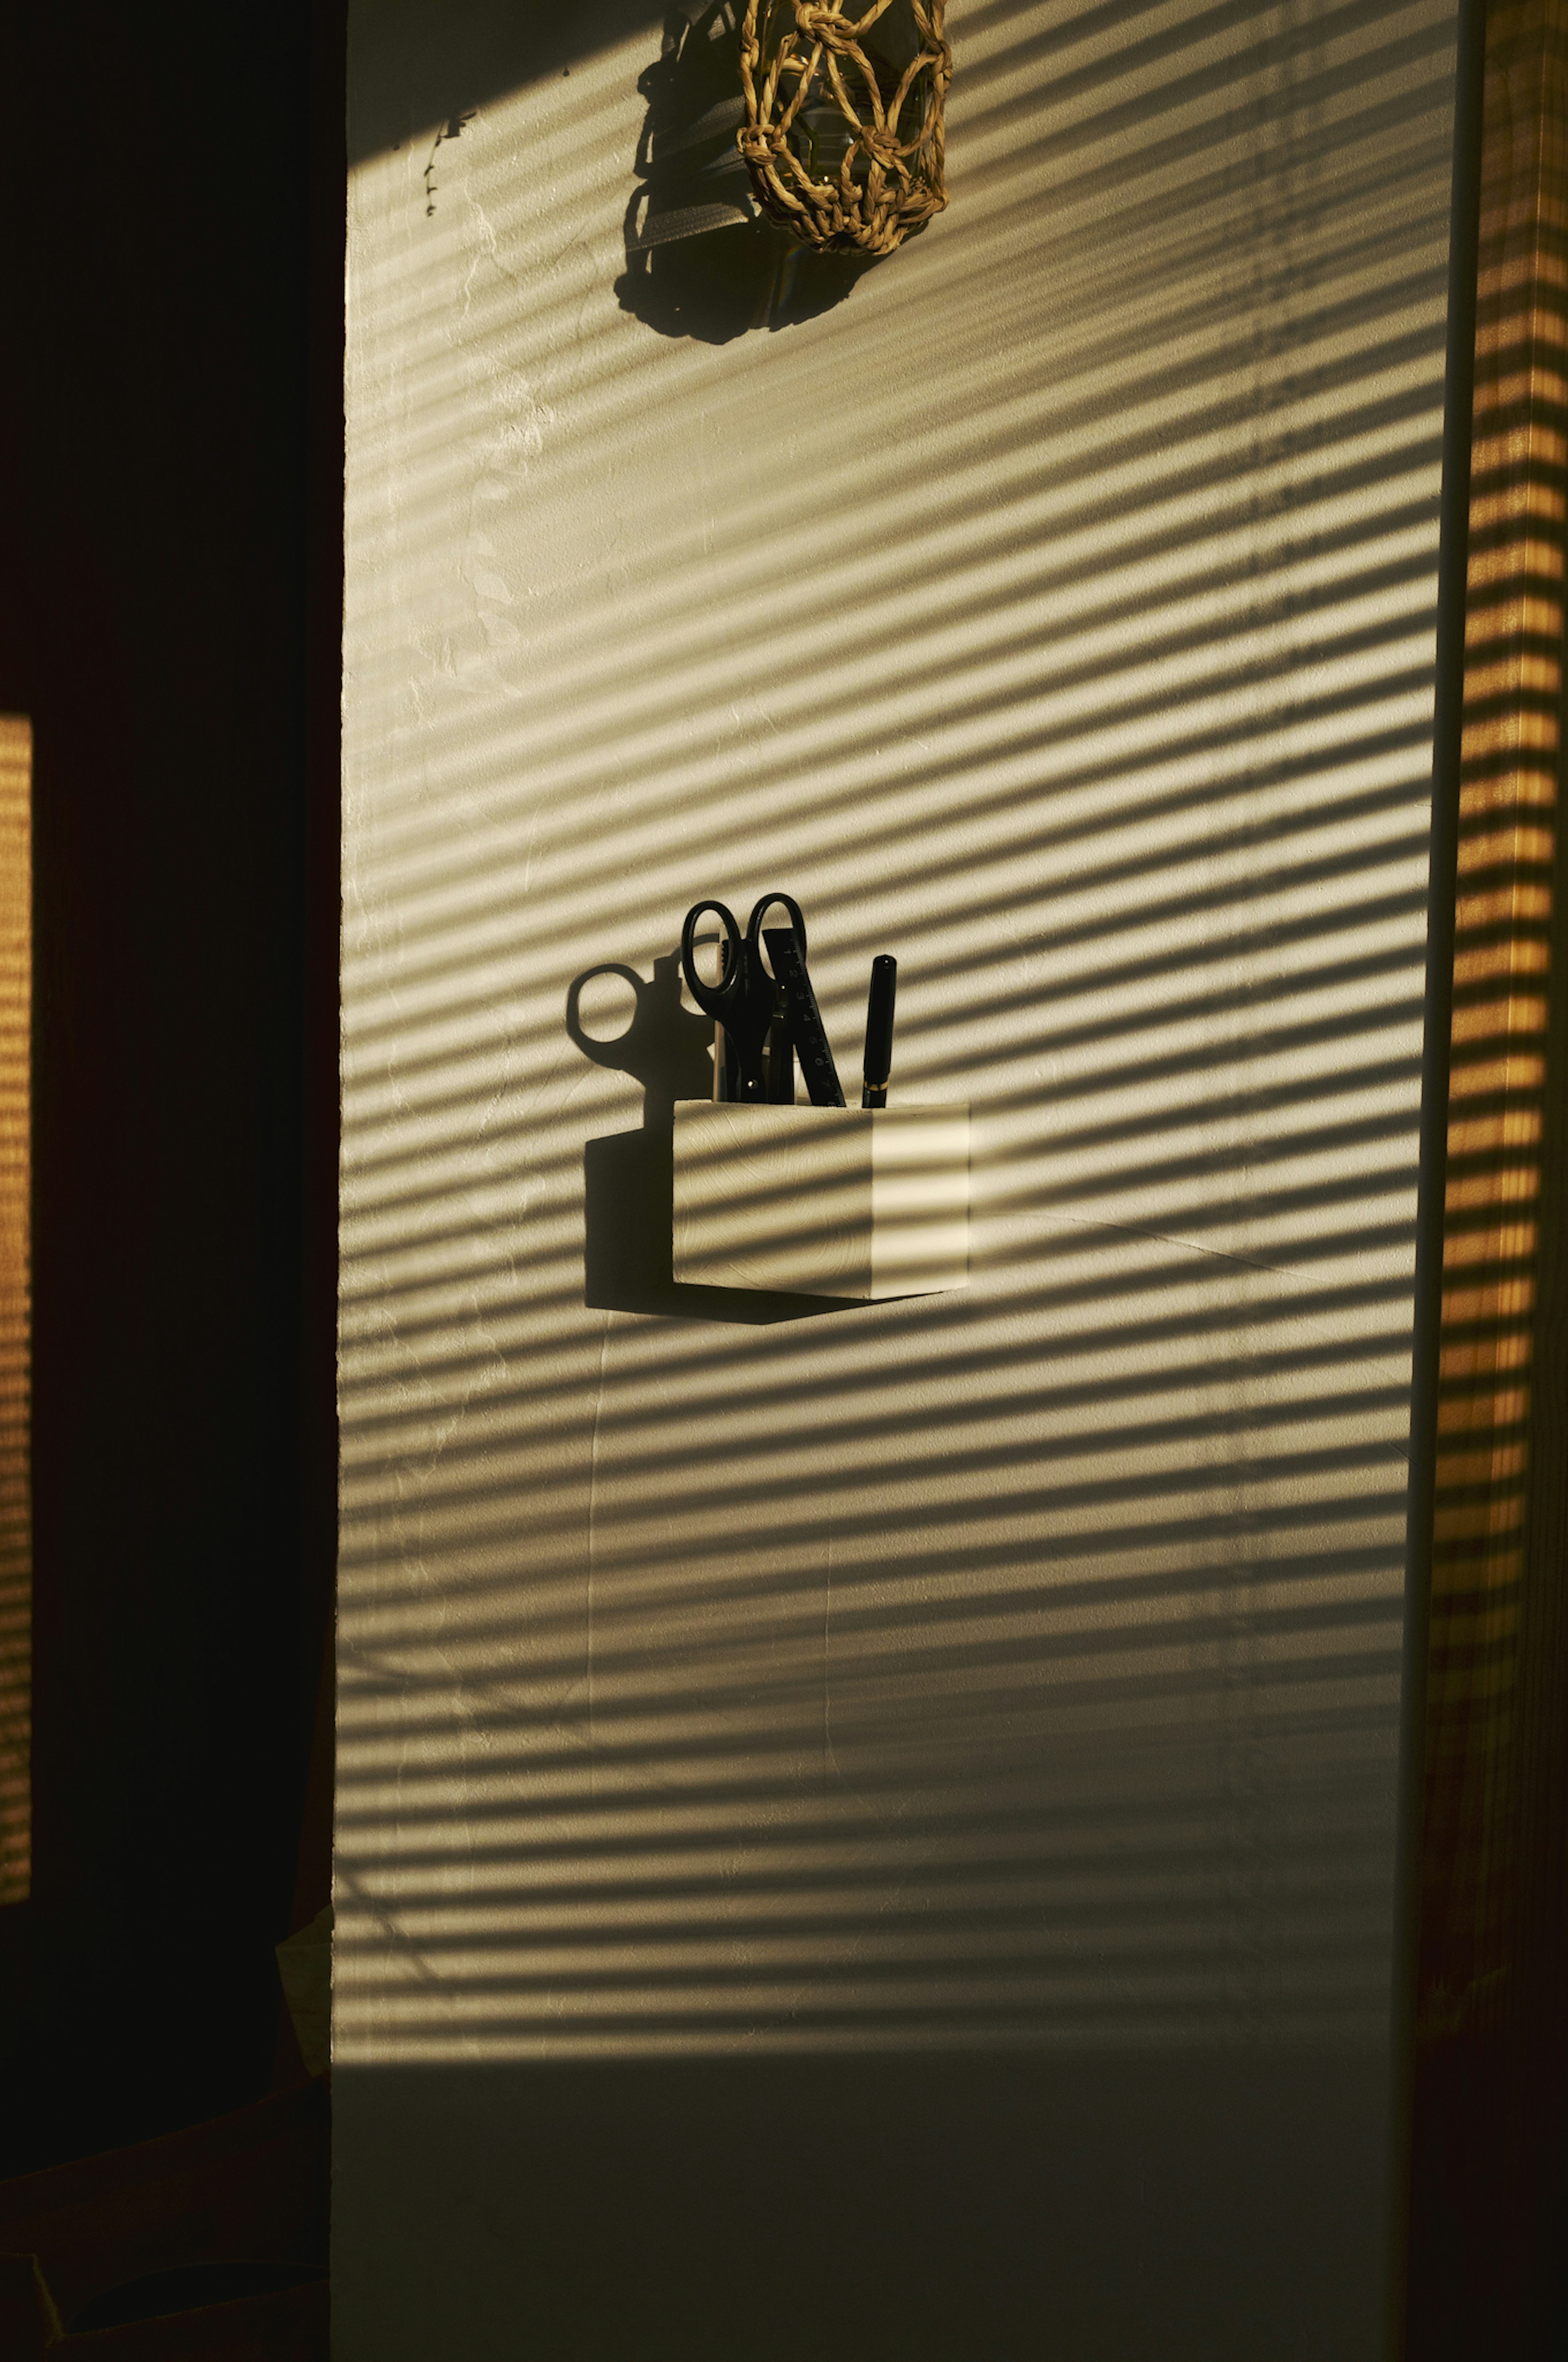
{"points": [[822, 1201]]}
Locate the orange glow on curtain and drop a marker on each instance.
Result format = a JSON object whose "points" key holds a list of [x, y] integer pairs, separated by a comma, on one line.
{"points": [[1502, 979]]}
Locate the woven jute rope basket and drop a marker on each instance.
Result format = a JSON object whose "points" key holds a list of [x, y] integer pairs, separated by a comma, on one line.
{"points": [[843, 136]]}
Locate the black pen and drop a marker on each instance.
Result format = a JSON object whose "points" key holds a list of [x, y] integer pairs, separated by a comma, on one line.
{"points": [[878, 1063]]}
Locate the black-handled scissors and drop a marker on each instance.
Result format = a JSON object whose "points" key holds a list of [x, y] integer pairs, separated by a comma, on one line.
{"points": [[745, 999]]}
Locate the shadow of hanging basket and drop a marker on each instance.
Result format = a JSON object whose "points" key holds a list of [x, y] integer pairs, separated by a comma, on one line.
{"points": [[702, 260], [843, 132]]}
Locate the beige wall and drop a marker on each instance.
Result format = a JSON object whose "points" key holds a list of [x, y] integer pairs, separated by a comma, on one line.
{"points": [[1057, 613]]}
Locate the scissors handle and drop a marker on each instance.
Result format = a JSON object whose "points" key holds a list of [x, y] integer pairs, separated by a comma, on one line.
{"points": [[718, 999], [760, 912]]}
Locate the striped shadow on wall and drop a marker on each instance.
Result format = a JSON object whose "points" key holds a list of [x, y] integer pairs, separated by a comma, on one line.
{"points": [[1057, 612]]}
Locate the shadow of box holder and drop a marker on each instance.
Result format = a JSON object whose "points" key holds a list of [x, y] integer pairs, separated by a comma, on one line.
{"points": [[846, 1202]]}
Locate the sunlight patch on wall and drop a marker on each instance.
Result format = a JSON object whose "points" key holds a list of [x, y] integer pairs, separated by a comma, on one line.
{"points": [[1057, 612], [15, 1182]]}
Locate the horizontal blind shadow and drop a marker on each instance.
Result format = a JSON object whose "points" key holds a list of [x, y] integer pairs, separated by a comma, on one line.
{"points": [[1020, 1664]]}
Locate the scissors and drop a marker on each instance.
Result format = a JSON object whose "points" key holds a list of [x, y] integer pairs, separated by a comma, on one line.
{"points": [[745, 999]]}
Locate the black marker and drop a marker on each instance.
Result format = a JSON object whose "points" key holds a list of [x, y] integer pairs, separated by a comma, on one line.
{"points": [[805, 1018], [878, 1063]]}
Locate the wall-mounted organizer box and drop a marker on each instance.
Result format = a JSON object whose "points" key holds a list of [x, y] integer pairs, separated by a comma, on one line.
{"points": [[821, 1201]]}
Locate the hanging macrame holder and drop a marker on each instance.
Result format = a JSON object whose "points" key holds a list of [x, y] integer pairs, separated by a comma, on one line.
{"points": [[799, 62]]}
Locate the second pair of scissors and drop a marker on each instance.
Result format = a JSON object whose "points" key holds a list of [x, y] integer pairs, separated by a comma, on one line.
{"points": [[745, 999]]}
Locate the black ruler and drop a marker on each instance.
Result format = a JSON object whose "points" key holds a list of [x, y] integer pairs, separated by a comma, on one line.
{"points": [[805, 1018]]}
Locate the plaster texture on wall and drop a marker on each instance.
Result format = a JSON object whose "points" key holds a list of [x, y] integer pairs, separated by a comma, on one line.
{"points": [[1056, 611]]}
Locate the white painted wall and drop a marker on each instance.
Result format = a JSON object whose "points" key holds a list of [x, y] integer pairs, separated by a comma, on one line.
{"points": [[1018, 1667]]}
